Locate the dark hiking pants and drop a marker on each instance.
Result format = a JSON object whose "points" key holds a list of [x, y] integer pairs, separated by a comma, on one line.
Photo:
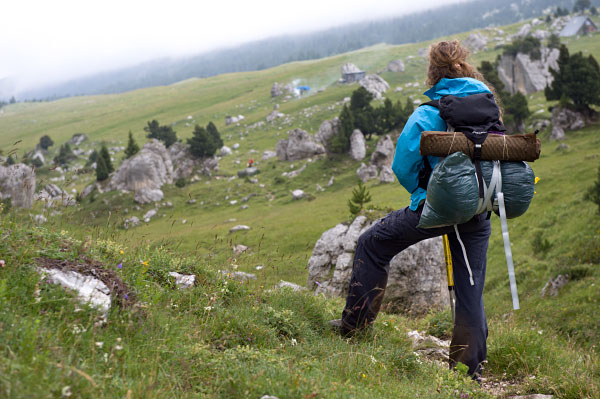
{"points": [[391, 235]]}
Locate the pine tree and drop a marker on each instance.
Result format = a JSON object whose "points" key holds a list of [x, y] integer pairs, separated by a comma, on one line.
{"points": [[46, 142], [340, 143], [132, 147], [214, 133], [164, 133], [360, 196], [202, 143], [101, 169], [65, 155], [106, 157], [10, 161]]}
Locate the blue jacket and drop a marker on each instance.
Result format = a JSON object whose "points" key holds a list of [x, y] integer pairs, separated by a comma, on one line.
{"points": [[407, 159]]}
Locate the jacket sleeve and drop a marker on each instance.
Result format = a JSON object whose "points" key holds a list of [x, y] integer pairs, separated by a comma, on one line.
{"points": [[407, 159]]}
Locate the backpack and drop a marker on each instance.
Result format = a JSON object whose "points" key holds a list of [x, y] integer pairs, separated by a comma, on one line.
{"points": [[458, 188]]}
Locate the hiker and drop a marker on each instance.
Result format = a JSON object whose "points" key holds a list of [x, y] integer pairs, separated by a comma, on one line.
{"points": [[448, 74]]}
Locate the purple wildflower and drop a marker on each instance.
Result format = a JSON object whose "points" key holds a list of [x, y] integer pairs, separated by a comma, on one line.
{"points": [[126, 296], [120, 265]]}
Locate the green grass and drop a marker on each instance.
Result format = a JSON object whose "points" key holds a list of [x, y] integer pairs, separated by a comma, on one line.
{"points": [[226, 339]]}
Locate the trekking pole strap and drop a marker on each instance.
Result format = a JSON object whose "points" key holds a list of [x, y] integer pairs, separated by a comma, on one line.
{"points": [[507, 249]]}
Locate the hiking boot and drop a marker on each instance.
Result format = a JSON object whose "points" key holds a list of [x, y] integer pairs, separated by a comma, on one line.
{"points": [[337, 325]]}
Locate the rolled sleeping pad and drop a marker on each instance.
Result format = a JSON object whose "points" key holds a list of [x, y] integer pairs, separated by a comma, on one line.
{"points": [[453, 191], [516, 147]]}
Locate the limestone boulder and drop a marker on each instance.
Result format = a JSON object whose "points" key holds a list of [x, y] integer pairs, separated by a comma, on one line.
{"points": [[77, 139], [565, 119], [276, 90], [327, 130], [358, 145], [17, 182], [375, 85], [148, 195], [395, 66], [51, 195], [349, 68], [387, 175], [366, 173], [182, 160], [475, 41], [148, 170], [384, 152], [299, 145]]}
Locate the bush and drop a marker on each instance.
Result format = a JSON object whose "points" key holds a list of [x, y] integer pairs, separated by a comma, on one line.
{"points": [[65, 155], [540, 245], [164, 133], [46, 142], [205, 142], [528, 45], [180, 182], [360, 196]]}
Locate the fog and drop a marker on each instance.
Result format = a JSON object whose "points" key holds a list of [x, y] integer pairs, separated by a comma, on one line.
{"points": [[45, 42]]}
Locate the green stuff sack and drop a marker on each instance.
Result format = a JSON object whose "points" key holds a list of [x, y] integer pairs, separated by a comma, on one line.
{"points": [[518, 181], [452, 193]]}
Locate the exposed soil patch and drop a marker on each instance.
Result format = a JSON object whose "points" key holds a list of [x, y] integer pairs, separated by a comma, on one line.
{"points": [[120, 293]]}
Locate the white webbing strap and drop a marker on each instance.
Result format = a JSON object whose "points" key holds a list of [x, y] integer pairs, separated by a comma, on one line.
{"points": [[507, 249], [486, 203], [464, 251]]}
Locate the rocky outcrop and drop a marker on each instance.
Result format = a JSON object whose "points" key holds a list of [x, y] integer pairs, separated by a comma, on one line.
{"points": [[384, 152], [17, 182], [349, 68], [565, 119], [358, 145], [184, 162], [148, 195], [387, 175], [148, 170], [417, 280], [77, 139], [475, 41], [327, 130], [395, 66], [276, 90], [52, 194], [522, 74], [367, 172], [274, 115], [233, 119], [299, 145], [375, 85]]}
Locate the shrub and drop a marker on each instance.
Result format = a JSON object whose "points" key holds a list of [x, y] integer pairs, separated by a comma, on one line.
{"points": [[164, 133], [540, 245], [593, 193], [528, 45], [46, 142], [65, 155], [180, 182], [132, 147], [360, 196]]}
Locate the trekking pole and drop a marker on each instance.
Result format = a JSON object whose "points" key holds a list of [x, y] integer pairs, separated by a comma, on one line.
{"points": [[449, 273]]}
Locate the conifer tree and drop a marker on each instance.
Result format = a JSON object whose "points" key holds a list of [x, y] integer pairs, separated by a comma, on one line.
{"points": [[164, 133], [132, 147], [101, 169], [360, 196], [46, 142], [106, 157], [340, 143], [10, 161], [202, 143], [214, 133]]}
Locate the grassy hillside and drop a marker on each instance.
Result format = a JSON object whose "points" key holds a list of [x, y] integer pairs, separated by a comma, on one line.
{"points": [[226, 339]]}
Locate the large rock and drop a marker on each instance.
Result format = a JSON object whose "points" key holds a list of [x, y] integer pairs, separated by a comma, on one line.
{"points": [[327, 130], [52, 194], [522, 74], [77, 139], [387, 175], [384, 152], [366, 173], [148, 195], [349, 68], [17, 182], [182, 160], [417, 279], [148, 170], [565, 119], [276, 90], [395, 66], [475, 41], [299, 145], [375, 85], [358, 145]]}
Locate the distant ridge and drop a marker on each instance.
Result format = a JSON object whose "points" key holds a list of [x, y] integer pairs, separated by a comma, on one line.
{"points": [[267, 53]]}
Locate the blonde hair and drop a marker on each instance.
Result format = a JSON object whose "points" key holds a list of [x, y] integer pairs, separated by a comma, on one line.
{"points": [[449, 60]]}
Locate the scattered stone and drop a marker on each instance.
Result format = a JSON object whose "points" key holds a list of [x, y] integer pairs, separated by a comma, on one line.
{"points": [[330, 183], [17, 182], [235, 146], [39, 219], [268, 155], [77, 139], [299, 145], [287, 285], [276, 90], [398, 89], [52, 193], [298, 194], [358, 145], [233, 119], [387, 175], [149, 215], [239, 249], [275, 114], [533, 396], [565, 119], [475, 41], [523, 32], [89, 289], [241, 276], [243, 207], [192, 201], [366, 173], [384, 152], [562, 147], [296, 172], [183, 281], [239, 227], [131, 222], [395, 66], [318, 188], [429, 346], [251, 171], [554, 285], [375, 85], [225, 151]]}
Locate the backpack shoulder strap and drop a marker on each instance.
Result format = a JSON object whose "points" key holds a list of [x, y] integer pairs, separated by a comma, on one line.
{"points": [[433, 103]]}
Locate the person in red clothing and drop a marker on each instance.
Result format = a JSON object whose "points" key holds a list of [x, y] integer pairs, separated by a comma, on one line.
{"points": [[250, 163]]}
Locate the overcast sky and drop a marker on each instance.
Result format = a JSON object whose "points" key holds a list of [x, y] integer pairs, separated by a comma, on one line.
{"points": [[46, 41]]}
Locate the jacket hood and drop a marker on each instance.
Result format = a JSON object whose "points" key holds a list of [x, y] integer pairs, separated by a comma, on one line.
{"points": [[459, 87]]}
